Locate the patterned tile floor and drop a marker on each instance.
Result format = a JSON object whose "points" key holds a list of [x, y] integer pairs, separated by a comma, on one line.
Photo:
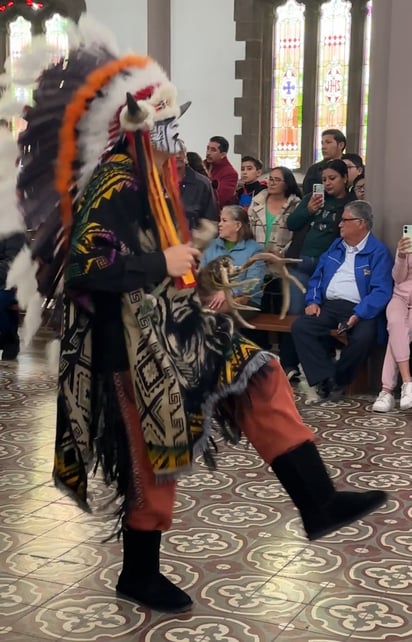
{"points": [[236, 543]]}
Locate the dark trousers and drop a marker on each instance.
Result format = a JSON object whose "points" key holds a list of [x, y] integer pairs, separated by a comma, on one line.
{"points": [[9, 319], [309, 334]]}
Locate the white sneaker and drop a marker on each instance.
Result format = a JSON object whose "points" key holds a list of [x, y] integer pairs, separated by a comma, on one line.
{"points": [[406, 396], [385, 402]]}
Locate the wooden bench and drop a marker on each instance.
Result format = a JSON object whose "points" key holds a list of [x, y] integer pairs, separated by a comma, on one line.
{"points": [[273, 323]]}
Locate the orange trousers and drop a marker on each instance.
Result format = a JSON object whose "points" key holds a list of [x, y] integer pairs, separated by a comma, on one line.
{"points": [[267, 416]]}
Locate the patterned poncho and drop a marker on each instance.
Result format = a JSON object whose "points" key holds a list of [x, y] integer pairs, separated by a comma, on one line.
{"points": [[183, 361]]}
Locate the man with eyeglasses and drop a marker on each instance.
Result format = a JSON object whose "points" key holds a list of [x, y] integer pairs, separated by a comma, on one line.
{"points": [[359, 187], [349, 291]]}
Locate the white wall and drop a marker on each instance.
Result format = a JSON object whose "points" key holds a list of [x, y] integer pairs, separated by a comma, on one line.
{"points": [[126, 18], [203, 54]]}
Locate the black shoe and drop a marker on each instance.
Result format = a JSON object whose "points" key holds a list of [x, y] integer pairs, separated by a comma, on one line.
{"points": [[11, 349], [155, 592], [293, 373], [141, 580], [323, 509], [329, 389], [344, 508]]}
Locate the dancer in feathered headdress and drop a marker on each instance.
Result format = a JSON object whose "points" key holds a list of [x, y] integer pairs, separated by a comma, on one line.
{"points": [[144, 370]]}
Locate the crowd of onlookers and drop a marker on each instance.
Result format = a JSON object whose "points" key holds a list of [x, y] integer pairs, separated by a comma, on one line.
{"points": [[348, 273], [326, 224]]}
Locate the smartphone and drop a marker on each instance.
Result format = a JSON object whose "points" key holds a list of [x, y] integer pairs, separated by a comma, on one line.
{"points": [[342, 328], [407, 233], [318, 188]]}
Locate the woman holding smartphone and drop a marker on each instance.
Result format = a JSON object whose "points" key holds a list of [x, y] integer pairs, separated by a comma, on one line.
{"points": [[316, 221], [399, 315]]}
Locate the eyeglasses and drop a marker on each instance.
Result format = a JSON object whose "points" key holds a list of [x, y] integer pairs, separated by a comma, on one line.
{"points": [[359, 188], [355, 218], [275, 180]]}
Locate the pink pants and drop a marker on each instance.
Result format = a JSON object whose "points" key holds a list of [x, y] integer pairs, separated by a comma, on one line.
{"points": [[270, 421], [400, 334]]}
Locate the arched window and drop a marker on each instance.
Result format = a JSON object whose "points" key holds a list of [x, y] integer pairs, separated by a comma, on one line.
{"points": [[320, 76], [20, 20], [306, 68]]}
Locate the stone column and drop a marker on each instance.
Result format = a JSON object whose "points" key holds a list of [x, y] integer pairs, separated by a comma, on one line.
{"points": [[356, 57], [312, 13], [389, 149], [158, 32]]}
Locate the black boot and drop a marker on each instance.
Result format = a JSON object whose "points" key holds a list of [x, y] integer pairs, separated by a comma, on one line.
{"points": [[323, 509], [141, 580], [11, 346]]}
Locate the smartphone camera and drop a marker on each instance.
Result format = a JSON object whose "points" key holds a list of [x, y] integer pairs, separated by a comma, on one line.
{"points": [[318, 188]]}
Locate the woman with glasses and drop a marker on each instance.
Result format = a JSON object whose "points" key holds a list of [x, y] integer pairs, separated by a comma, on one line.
{"points": [[316, 223], [235, 240], [269, 210]]}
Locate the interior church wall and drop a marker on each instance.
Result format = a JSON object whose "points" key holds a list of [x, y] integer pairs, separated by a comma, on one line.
{"points": [[203, 54], [202, 60], [126, 18]]}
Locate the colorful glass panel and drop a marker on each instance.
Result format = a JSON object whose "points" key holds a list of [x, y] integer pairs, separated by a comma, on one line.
{"points": [[333, 70], [365, 83], [56, 36], [19, 39], [287, 85]]}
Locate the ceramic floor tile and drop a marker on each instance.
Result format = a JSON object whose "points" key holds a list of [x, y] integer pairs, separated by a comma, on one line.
{"points": [[236, 544]]}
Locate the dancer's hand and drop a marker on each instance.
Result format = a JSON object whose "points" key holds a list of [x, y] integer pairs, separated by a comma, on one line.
{"points": [[180, 259]]}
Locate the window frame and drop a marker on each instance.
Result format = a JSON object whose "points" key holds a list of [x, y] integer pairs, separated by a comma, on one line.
{"points": [[255, 24]]}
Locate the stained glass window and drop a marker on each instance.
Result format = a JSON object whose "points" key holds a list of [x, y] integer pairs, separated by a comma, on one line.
{"points": [[333, 69], [365, 82], [56, 36], [20, 38], [287, 85]]}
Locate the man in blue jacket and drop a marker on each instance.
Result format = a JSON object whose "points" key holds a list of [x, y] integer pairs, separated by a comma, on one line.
{"points": [[349, 290]]}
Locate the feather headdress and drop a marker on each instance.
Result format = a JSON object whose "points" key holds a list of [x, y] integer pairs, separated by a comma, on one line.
{"points": [[79, 111]]}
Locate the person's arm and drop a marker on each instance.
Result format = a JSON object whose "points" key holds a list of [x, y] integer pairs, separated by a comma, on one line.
{"points": [[100, 261], [304, 212], [226, 187], [314, 290], [400, 269], [380, 286]]}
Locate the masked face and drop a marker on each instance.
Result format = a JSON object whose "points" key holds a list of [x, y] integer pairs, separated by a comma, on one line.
{"points": [[165, 136]]}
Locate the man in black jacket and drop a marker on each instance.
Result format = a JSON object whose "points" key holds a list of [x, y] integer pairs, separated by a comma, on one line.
{"points": [[9, 319], [197, 193], [333, 143]]}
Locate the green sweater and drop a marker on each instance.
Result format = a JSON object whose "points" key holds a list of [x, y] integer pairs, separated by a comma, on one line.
{"points": [[323, 225]]}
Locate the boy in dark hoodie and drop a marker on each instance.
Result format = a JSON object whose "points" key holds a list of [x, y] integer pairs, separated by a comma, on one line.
{"points": [[251, 169]]}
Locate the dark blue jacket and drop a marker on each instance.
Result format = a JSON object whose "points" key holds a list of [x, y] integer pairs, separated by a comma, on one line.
{"points": [[373, 274]]}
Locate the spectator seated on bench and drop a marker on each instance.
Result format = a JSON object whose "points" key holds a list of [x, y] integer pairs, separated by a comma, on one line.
{"points": [[350, 289], [9, 315]]}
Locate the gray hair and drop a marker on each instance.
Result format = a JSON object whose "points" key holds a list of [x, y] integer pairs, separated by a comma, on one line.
{"points": [[361, 210]]}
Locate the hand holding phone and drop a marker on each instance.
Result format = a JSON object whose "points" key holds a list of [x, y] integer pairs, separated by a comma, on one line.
{"points": [[342, 328], [318, 192]]}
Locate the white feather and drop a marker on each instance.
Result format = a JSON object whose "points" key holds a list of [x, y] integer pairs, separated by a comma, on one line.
{"points": [[22, 276], [53, 356], [92, 32], [94, 126], [32, 318]]}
